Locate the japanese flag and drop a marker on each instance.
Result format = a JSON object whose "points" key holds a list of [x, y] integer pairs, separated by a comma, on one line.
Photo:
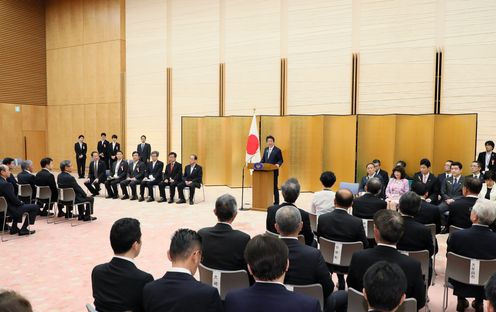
{"points": [[253, 143]]}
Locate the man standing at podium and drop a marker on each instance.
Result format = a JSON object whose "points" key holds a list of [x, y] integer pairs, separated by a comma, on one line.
{"points": [[273, 155]]}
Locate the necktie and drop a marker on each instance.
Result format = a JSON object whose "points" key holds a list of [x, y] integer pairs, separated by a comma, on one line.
{"points": [[96, 169], [142, 146]]}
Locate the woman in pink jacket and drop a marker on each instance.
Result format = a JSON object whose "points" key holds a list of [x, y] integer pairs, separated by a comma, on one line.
{"points": [[396, 187]]}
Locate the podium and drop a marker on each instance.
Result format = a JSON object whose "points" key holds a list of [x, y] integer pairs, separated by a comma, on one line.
{"points": [[262, 185]]}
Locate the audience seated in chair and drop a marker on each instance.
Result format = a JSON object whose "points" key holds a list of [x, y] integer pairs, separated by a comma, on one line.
{"points": [[384, 286], [476, 242], [26, 176], [381, 173], [178, 290], [306, 264], [10, 162], [451, 189], [192, 178], [267, 259], [490, 291], [11, 301], [96, 175], [45, 177], [290, 192], [369, 203], [153, 177], [173, 175], [118, 285], [475, 171], [371, 173], [118, 173], [428, 213], [459, 210], [488, 185], [222, 246], [323, 201], [397, 186], [136, 173], [428, 180]]}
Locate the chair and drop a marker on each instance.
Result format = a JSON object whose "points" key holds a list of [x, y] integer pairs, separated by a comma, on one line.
{"points": [[432, 228], [466, 270], [25, 190], [338, 254], [353, 187], [368, 226], [43, 193], [421, 256], [202, 188], [224, 281], [453, 229], [4, 208], [357, 303], [313, 221], [67, 197], [90, 308], [312, 290]]}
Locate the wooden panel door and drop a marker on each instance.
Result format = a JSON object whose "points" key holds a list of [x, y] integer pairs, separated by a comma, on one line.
{"points": [[35, 146]]}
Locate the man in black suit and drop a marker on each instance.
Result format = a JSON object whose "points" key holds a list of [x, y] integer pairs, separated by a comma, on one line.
{"points": [[15, 207], [118, 173], [172, 177], [381, 173], [144, 150], [450, 191], [306, 264], [45, 177], [442, 177], [113, 147], [96, 174], [136, 173], [80, 148], [371, 173], [178, 290], [425, 177], [10, 162], [475, 171], [103, 148], [490, 290], [222, 246], [388, 229], [384, 287], [476, 242], [153, 176], [273, 155], [66, 180], [267, 259], [368, 204], [488, 158], [191, 179], [340, 226], [459, 210], [290, 192], [428, 213], [118, 285], [27, 177]]}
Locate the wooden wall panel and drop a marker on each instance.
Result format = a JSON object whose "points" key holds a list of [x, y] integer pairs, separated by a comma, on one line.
{"points": [[11, 145], [34, 117], [101, 20], [65, 76], [64, 23]]}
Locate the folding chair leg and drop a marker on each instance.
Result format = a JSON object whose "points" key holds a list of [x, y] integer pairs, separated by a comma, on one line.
{"points": [[445, 298]]}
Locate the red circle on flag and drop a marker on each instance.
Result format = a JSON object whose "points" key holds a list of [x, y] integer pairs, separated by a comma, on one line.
{"points": [[252, 144]]}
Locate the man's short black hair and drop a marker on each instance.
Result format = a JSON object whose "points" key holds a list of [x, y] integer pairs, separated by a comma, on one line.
{"points": [[410, 204], [143, 136], [45, 162], [103, 134], [155, 152], [385, 284], [344, 198], [328, 178], [457, 164], [376, 161], [81, 136], [374, 186], [194, 156], [114, 136], [401, 170], [135, 152], [119, 151], [490, 290], [473, 185], [419, 188], [93, 153], [173, 153], [10, 301], [390, 225], [489, 175], [7, 161], [225, 207], [183, 243], [489, 143], [425, 162], [267, 257], [290, 190], [478, 163], [270, 137], [123, 234]]}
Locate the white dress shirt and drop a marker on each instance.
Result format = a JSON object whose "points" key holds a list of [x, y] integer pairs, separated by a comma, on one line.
{"points": [[323, 202]]}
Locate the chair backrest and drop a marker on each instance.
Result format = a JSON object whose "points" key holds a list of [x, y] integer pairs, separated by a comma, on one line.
{"points": [[67, 194], [338, 253], [312, 290], [24, 190], [468, 270], [432, 228], [90, 308], [421, 256], [313, 221], [368, 226], [357, 303], [353, 187], [453, 229], [43, 192], [3, 204], [224, 281]]}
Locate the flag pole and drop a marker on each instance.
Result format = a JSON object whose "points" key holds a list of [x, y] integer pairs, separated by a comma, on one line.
{"points": [[243, 177]]}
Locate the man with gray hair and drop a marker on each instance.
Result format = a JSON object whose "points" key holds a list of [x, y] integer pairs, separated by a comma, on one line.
{"points": [[222, 246], [306, 264], [290, 192], [473, 242], [26, 176]]}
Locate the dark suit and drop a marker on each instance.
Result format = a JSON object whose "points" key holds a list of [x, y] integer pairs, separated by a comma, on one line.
{"points": [[367, 205], [111, 182], [429, 214], [268, 297], [195, 176], [449, 190], [175, 173], [384, 177], [155, 170], [480, 177], [45, 178], [459, 212], [431, 185], [180, 292], [80, 150], [440, 181], [475, 242], [362, 260], [144, 151], [305, 231], [365, 179], [99, 173], [223, 247], [25, 177], [118, 286], [103, 150], [275, 157], [15, 207], [481, 158], [112, 151], [307, 266], [135, 170], [12, 180], [66, 180]]}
